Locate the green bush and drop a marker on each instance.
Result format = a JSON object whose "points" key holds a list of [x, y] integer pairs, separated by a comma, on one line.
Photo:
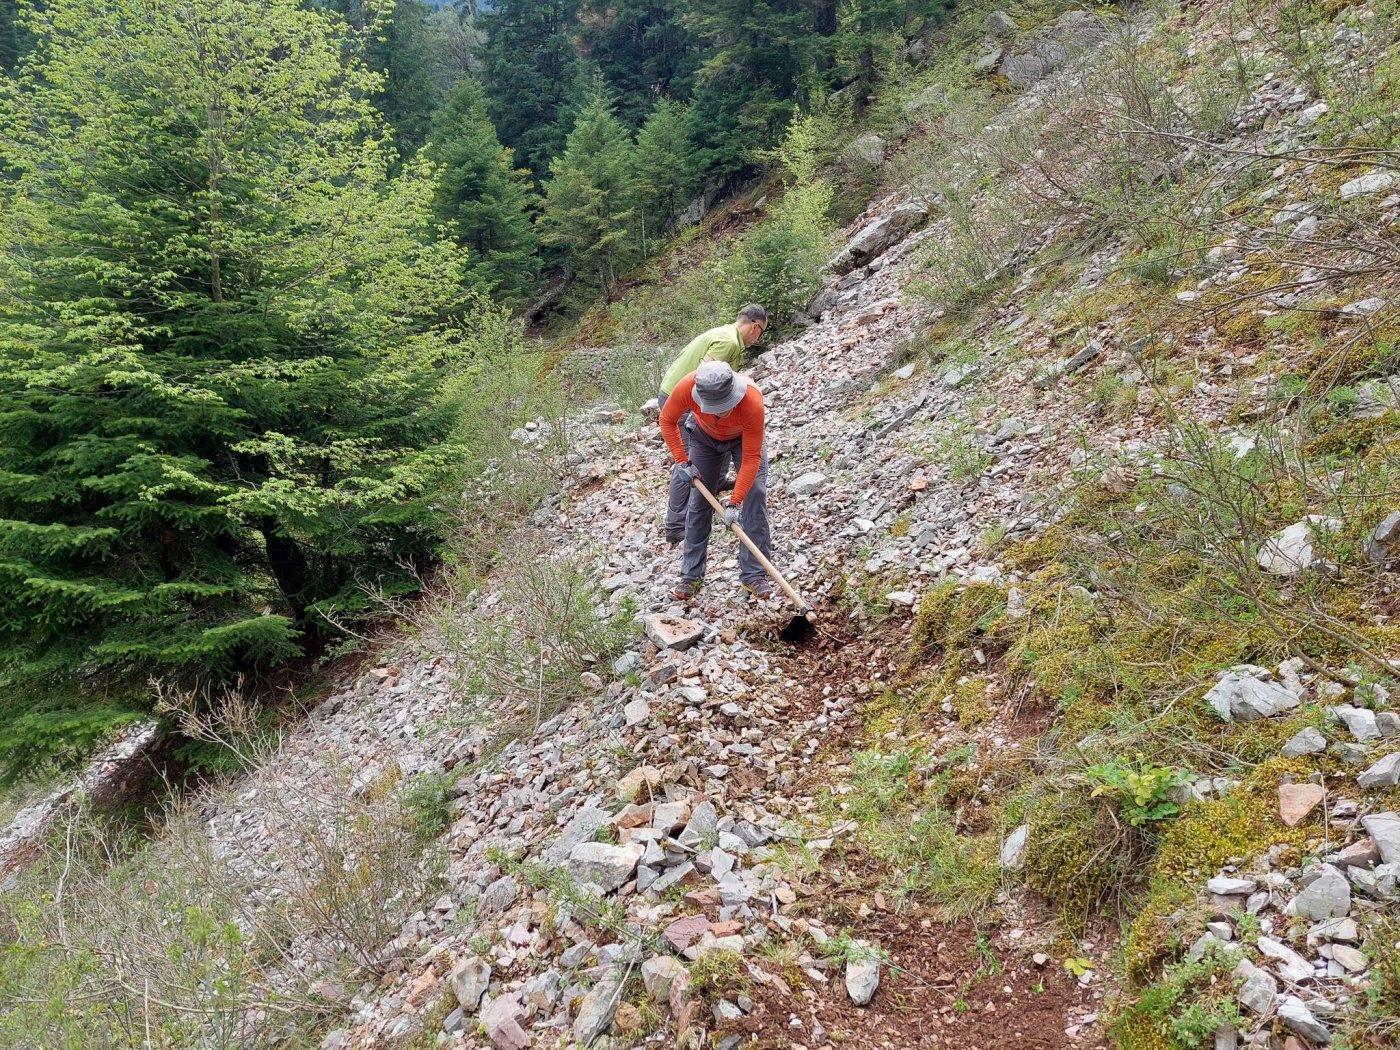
{"points": [[633, 377], [113, 941], [778, 263]]}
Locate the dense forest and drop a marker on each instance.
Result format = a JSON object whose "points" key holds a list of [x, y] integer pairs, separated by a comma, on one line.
{"points": [[254, 252]]}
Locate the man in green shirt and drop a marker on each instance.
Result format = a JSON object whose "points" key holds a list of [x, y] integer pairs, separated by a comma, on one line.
{"points": [[726, 343]]}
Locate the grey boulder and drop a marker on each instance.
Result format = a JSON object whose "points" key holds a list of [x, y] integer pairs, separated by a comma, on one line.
{"points": [[1329, 897], [470, 978], [1385, 829], [1384, 773], [862, 972], [1048, 49], [599, 1006], [1308, 741], [1258, 990], [1381, 546], [1296, 1017], [1243, 696], [867, 149], [880, 236], [603, 864]]}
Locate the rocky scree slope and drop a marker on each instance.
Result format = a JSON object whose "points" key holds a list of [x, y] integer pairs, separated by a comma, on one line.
{"points": [[699, 850], [708, 793]]}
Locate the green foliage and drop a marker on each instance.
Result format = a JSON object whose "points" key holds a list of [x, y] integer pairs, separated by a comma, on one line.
{"points": [[642, 49], [913, 832], [112, 940], [843, 948], [399, 42], [778, 262], [588, 213], [1172, 1013], [662, 185], [532, 73], [484, 202], [632, 377], [719, 975], [224, 334], [960, 451], [1139, 789], [1378, 1021], [427, 799], [750, 83], [15, 39]]}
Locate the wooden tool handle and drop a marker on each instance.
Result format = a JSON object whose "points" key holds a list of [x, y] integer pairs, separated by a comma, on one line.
{"points": [[803, 608]]}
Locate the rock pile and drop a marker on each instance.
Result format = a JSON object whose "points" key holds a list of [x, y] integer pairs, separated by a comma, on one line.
{"points": [[1291, 933]]}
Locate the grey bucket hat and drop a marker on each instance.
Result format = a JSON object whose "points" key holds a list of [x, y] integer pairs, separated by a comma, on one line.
{"points": [[718, 388]]}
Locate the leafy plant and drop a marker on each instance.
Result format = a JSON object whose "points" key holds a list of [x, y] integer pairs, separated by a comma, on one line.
{"points": [[1140, 790], [844, 948], [1078, 966], [228, 340]]}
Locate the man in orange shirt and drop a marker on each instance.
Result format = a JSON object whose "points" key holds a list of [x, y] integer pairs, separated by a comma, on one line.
{"points": [[725, 425]]}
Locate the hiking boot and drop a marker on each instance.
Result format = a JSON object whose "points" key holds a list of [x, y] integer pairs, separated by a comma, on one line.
{"points": [[686, 589], [674, 536], [760, 589]]}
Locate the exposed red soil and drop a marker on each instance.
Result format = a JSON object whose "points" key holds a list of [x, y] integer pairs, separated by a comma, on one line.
{"points": [[946, 991]]}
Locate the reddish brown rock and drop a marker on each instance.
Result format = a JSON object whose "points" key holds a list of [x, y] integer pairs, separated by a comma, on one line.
{"points": [[1296, 801], [1363, 853], [684, 932], [672, 632]]}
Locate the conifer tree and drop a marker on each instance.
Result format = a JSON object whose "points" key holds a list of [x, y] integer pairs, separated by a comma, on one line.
{"points": [[532, 75], [482, 199], [14, 39], [223, 339], [662, 183], [644, 51], [397, 41], [588, 213], [750, 85]]}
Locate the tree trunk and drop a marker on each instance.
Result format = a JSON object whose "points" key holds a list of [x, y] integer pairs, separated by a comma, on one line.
{"points": [[287, 562]]}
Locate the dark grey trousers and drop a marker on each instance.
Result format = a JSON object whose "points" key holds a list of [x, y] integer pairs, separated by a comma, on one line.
{"points": [[678, 493], [711, 458]]}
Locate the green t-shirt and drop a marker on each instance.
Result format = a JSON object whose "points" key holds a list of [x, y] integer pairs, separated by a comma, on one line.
{"points": [[718, 344]]}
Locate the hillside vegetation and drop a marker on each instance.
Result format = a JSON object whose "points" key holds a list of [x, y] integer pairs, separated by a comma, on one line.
{"points": [[1082, 413]]}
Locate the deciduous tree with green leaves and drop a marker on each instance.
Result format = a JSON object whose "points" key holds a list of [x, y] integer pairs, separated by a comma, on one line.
{"points": [[226, 332]]}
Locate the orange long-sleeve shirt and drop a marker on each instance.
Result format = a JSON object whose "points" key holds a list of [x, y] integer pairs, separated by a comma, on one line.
{"points": [[745, 421]]}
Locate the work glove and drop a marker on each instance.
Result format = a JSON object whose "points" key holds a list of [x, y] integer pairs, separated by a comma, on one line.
{"points": [[686, 471], [731, 514]]}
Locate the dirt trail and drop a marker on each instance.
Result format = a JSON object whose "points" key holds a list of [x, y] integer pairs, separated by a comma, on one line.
{"points": [[963, 984]]}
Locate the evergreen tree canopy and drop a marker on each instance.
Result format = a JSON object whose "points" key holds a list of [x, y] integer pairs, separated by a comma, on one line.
{"points": [[756, 75], [14, 38], [588, 210], [532, 75], [662, 184], [643, 50], [481, 198], [223, 339], [399, 41]]}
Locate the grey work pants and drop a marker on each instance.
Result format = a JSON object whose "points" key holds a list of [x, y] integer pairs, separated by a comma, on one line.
{"points": [[710, 458], [678, 494]]}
